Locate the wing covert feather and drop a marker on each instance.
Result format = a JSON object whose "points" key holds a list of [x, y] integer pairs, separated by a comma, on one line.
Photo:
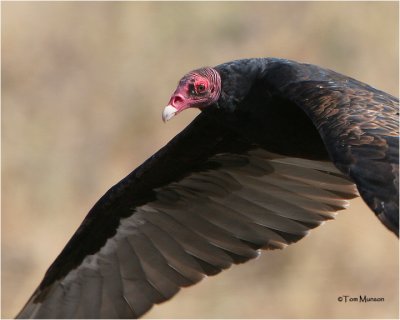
{"points": [[358, 124]]}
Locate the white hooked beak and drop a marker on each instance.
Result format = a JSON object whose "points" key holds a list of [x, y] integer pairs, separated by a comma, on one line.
{"points": [[169, 112]]}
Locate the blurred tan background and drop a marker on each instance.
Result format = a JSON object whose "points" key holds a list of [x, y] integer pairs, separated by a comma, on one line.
{"points": [[83, 87]]}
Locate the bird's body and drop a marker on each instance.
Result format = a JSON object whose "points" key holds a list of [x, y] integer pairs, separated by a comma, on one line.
{"points": [[276, 151]]}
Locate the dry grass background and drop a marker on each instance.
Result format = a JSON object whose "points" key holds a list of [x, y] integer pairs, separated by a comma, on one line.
{"points": [[83, 87]]}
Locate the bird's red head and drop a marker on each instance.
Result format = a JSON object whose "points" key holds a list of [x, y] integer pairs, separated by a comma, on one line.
{"points": [[198, 89]]}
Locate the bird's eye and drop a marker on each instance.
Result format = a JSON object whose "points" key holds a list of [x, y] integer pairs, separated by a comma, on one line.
{"points": [[200, 87]]}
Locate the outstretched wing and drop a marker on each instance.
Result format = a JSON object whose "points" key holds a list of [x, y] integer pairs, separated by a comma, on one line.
{"points": [[206, 200], [359, 126]]}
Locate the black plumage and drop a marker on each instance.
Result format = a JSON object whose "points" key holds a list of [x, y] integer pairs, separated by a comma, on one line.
{"points": [[252, 171]]}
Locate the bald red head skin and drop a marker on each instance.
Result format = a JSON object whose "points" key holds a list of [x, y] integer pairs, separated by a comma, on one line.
{"points": [[197, 89]]}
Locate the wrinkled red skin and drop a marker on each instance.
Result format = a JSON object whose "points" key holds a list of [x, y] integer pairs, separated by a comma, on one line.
{"points": [[198, 89]]}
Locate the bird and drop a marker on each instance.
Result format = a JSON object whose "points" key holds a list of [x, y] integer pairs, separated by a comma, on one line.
{"points": [[278, 148]]}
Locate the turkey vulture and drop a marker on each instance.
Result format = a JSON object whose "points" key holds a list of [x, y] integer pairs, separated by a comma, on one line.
{"points": [[278, 148]]}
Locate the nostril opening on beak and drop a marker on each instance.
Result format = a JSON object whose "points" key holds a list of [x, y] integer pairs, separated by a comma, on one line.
{"points": [[177, 100]]}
